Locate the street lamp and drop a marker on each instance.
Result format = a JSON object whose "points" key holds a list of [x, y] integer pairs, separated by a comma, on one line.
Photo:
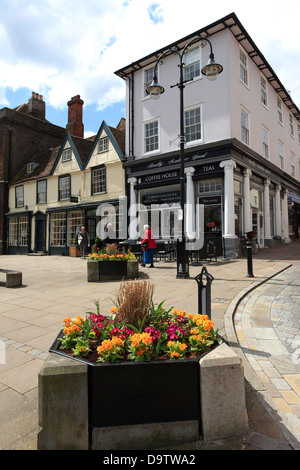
{"points": [[211, 71]]}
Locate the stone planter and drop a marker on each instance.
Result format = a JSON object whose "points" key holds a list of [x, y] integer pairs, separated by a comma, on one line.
{"points": [[139, 405], [74, 251], [98, 271]]}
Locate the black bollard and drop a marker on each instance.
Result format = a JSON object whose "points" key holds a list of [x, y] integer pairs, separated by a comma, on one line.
{"points": [[204, 292], [249, 259]]}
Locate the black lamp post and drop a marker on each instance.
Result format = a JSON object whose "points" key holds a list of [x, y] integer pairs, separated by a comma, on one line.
{"points": [[211, 71]]}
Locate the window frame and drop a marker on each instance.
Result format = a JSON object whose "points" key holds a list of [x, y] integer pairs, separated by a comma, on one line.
{"points": [[293, 164], [93, 184], [279, 110], [194, 108], [281, 155], [291, 124], [244, 72], [148, 82], [66, 155], [263, 91], [60, 179], [19, 199], [192, 70], [247, 129], [148, 123], [39, 192], [265, 143], [105, 147]]}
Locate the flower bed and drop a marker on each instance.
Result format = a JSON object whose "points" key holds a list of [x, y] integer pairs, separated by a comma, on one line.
{"points": [[111, 253], [137, 330]]}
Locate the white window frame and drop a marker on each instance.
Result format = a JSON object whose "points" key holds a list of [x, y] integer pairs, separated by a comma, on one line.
{"points": [[265, 143], [145, 137], [279, 110], [64, 187], [298, 133], [189, 110], [244, 128], [244, 72], [103, 144], [291, 124], [281, 155], [192, 63], [19, 196], [147, 80], [293, 164], [66, 155], [263, 91]]}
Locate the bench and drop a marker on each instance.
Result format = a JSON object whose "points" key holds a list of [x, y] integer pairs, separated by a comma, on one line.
{"points": [[13, 278]]}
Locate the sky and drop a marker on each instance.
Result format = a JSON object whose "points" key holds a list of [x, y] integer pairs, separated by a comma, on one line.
{"points": [[63, 48]]}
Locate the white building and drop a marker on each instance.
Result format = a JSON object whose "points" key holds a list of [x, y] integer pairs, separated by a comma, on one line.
{"points": [[242, 140]]}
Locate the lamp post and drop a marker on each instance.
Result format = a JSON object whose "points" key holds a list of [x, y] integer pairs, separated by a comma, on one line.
{"points": [[211, 71]]}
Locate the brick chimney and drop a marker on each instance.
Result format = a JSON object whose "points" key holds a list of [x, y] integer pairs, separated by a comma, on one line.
{"points": [[36, 106], [75, 125]]}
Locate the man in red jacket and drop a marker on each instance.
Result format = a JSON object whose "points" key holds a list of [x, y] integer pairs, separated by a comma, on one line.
{"points": [[148, 245]]}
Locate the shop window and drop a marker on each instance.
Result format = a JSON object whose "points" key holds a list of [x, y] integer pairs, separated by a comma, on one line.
{"points": [[58, 229], [18, 231], [210, 185], [74, 224], [212, 218], [238, 215], [13, 231]]}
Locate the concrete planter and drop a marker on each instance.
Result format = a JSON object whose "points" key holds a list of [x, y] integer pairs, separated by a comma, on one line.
{"points": [[140, 405], [98, 271]]}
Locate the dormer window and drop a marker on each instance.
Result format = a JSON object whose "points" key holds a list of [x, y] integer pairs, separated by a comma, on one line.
{"points": [[103, 145], [29, 168], [66, 155]]}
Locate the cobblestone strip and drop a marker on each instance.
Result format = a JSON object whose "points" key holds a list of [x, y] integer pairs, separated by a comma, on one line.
{"points": [[24, 348], [267, 325]]}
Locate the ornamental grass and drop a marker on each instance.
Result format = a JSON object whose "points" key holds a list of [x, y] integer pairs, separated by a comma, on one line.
{"points": [[137, 330]]}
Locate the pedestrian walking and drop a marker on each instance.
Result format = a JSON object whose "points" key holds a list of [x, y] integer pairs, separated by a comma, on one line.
{"points": [[84, 241], [148, 245]]}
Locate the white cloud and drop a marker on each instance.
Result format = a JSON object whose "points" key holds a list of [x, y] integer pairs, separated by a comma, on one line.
{"points": [[64, 47]]}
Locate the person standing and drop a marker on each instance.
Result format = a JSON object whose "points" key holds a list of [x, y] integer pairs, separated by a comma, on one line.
{"points": [[84, 241], [148, 245]]}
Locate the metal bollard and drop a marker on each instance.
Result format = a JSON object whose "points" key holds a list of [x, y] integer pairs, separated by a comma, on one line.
{"points": [[249, 260], [204, 292]]}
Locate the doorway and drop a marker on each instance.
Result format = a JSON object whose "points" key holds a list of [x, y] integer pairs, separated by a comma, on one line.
{"points": [[258, 227], [40, 233]]}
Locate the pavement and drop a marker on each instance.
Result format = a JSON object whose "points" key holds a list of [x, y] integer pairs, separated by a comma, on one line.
{"points": [[259, 317]]}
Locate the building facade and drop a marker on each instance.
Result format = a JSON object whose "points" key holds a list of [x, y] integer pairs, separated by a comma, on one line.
{"points": [[24, 131], [242, 142], [80, 182]]}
